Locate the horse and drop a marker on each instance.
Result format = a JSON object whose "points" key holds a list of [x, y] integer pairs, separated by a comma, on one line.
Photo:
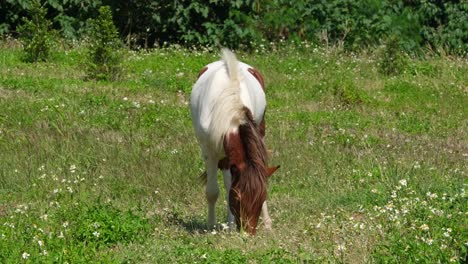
{"points": [[227, 106]]}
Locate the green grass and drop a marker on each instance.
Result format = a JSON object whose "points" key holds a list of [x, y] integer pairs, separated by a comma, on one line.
{"points": [[107, 171]]}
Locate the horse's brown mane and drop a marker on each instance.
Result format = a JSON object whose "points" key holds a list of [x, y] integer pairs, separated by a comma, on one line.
{"points": [[251, 183]]}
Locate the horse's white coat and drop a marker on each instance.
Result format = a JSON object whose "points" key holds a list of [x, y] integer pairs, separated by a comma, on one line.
{"points": [[216, 104]]}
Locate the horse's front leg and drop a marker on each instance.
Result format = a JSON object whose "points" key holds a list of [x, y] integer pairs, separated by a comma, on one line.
{"points": [[266, 216], [227, 185], [212, 190]]}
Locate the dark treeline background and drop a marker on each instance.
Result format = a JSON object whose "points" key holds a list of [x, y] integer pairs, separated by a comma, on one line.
{"points": [[353, 24]]}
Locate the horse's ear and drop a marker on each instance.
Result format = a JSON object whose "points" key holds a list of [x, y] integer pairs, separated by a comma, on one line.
{"points": [[271, 170]]}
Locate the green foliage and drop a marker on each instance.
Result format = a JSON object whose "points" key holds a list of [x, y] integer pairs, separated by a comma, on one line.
{"points": [[68, 16], [420, 24], [36, 34], [392, 60], [104, 60], [443, 24], [348, 94], [213, 23], [348, 23], [103, 225]]}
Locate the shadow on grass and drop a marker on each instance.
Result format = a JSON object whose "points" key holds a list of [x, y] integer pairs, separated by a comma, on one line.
{"points": [[191, 225]]}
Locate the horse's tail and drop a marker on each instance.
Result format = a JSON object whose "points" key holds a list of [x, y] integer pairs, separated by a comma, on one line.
{"points": [[228, 111]]}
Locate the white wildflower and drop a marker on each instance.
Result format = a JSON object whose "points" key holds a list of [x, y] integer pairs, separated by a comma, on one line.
{"points": [[96, 233], [403, 182], [431, 195], [341, 248], [424, 227], [25, 255]]}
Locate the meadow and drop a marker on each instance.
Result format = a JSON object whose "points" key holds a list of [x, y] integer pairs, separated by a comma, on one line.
{"points": [[373, 167]]}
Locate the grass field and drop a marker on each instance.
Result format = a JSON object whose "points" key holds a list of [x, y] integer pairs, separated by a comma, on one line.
{"points": [[373, 168]]}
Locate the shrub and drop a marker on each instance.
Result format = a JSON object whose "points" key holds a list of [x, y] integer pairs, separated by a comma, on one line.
{"points": [[439, 25], [392, 59], [104, 61], [36, 34], [348, 95]]}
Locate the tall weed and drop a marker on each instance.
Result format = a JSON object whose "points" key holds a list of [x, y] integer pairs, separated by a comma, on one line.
{"points": [[104, 60], [36, 34]]}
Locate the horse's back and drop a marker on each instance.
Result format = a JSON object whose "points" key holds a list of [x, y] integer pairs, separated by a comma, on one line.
{"points": [[209, 86]]}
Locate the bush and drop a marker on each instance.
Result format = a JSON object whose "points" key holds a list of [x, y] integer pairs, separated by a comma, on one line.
{"points": [[68, 16], [439, 25], [348, 95], [392, 59], [104, 60], [36, 34]]}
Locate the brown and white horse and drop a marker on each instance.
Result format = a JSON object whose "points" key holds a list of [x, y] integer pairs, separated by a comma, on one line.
{"points": [[228, 105]]}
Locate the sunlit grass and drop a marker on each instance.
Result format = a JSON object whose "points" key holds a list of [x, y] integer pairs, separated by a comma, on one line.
{"points": [[373, 168]]}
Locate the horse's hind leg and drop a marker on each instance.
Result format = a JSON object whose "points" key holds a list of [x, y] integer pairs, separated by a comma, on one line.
{"points": [[212, 190]]}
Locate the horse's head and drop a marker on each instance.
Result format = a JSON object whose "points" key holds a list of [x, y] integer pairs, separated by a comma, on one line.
{"points": [[247, 156], [247, 194]]}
